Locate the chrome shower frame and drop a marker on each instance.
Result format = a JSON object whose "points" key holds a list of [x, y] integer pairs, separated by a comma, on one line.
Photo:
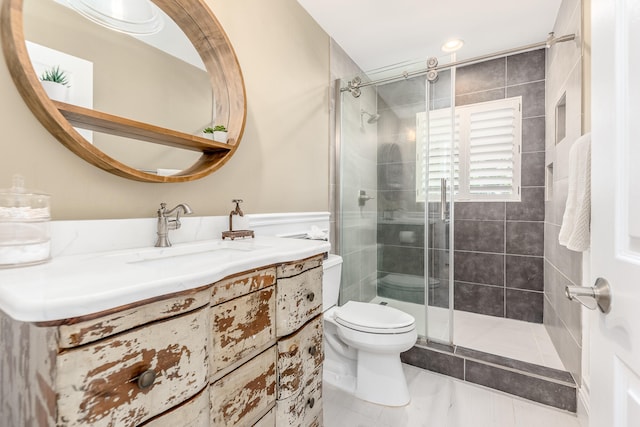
{"points": [[355, 85]]}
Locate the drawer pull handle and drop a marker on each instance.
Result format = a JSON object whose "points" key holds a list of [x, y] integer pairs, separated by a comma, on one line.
{"points": [[311, 402], [146, 379], [311, 296], [312, 350]]}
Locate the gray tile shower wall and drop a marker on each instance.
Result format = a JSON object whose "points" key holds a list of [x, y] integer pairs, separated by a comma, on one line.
{"points": [[562, 267], [499, 247]]}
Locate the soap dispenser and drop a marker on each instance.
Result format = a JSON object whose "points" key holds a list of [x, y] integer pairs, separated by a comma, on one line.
{"points": [[236, 212], [24, 226]]}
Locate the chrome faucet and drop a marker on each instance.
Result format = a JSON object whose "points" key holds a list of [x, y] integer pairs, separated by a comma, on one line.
{"points": [[164, 224]]}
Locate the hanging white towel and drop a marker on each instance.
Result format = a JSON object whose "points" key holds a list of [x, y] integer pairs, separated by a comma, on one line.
{"points": [[575, 231]]}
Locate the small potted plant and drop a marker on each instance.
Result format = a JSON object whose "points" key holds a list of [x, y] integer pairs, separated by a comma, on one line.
{"points": [[56, 83], [207, 133], [220, 133]]}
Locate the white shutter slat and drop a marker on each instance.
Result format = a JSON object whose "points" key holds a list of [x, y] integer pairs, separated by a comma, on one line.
{"points": [[493, 139], [479, 159]]}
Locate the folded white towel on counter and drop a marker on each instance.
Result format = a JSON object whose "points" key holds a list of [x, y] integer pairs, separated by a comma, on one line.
{"points": [[575, 232], [316, 234]]}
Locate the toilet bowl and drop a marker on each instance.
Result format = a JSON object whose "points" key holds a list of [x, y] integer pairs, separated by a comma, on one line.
{"points": [[363, 343]]}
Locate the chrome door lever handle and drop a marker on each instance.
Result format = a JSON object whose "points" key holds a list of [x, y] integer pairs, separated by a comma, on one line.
{"points": [[600, 293]]}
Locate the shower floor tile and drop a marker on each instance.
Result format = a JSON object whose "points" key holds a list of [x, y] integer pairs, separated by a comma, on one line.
{"points": [[516, 339], [441, 401]]}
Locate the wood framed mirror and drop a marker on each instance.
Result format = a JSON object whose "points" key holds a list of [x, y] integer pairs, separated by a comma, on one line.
{"points": [[70, 122]]}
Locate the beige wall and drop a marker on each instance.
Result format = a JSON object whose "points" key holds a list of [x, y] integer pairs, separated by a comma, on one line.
{"points": [[281, 164]]}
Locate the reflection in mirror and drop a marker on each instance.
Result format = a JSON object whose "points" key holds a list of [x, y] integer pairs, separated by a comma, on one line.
{"points": [[151, 158], [131, 78], [140, 17]]}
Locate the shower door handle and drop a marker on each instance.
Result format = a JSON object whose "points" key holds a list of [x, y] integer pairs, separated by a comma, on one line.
{"points": [[443, 199], [363, 198]]}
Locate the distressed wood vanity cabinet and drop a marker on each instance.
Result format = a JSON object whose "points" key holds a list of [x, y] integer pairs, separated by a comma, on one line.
{"points": [[246, 350]]}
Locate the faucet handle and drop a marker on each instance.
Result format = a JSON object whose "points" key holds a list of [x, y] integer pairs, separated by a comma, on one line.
{"points": [[237, 210], [163, 208]]}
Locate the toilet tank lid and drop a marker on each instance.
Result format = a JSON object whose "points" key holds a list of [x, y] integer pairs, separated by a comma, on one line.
{"points": [[332, 260], [374, 316]]}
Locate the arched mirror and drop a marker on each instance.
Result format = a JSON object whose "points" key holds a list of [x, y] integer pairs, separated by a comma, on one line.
{"points": [[133, 105]]}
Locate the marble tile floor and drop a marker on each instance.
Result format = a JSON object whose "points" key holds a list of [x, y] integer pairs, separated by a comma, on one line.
{"points": [[441, 401]]}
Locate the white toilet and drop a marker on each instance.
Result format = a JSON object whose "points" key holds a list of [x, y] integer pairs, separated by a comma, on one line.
{"points": [[363, 342]]}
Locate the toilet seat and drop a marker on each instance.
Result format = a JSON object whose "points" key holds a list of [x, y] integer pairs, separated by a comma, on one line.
{"points": [[373, 318]]}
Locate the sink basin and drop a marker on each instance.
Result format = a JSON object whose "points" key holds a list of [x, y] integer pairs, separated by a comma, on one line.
{"points": [[183, 250]]}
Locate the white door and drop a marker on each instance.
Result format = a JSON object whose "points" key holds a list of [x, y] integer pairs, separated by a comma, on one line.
{"points": [[615, 245]]}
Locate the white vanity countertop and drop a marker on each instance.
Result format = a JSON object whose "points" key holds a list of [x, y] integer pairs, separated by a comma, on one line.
{"points": [[77, 285]]}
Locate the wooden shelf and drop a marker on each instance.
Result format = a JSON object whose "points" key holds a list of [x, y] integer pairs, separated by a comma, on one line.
{"points": [[86, 118]]}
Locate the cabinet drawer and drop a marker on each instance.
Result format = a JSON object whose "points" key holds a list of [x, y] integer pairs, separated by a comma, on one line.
{"points": [[294, 268], [242, 284], [244, 395], [241, 328], [299, 298], [193, 413], [298, 357], [304, 408], [99, 385], [116, 321]]}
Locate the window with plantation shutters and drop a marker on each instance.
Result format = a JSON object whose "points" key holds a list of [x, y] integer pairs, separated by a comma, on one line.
{"points": [[486, 151]]}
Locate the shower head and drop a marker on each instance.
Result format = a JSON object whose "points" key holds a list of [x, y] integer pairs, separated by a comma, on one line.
{"points": [[372, 117]]}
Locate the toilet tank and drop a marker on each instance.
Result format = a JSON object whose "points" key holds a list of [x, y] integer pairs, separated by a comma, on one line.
{"points": [[332, 270]]}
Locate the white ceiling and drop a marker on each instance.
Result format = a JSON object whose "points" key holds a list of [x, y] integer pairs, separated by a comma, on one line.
{"points": [[379, 33]]}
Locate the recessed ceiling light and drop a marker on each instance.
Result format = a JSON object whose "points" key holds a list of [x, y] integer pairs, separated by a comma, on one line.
{"points": [[452, 45]]}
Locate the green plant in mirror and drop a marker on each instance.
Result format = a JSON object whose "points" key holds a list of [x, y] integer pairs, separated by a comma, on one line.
{"points": [[220, 128], [56, 75], [207, 130]]}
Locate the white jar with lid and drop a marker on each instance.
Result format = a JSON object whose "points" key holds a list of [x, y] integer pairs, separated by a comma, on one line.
{"points": [[24, 226]]}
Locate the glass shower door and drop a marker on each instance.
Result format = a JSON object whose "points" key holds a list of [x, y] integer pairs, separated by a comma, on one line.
{"points": [[436, 184], [394, 231], [357, 193]]}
